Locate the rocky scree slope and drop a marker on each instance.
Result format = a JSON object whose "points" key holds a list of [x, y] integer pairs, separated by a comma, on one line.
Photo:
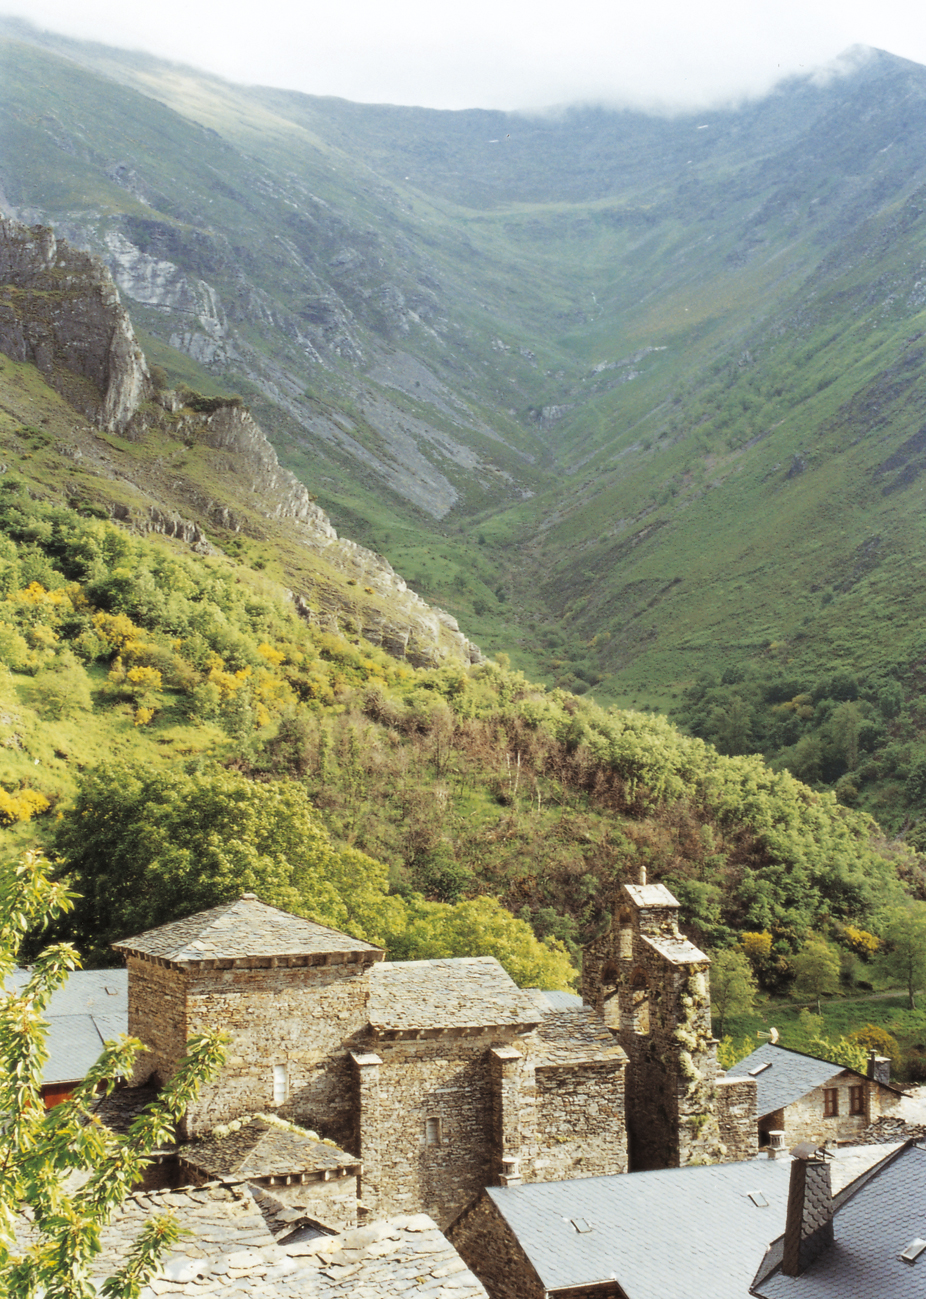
{"points": [[60, 310]]}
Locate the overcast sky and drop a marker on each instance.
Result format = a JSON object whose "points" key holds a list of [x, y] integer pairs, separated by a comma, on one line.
{"points": [[498, 53]]}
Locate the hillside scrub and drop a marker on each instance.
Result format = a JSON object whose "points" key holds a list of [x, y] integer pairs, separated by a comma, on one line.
{"points": [[464, 783], [142, 850]]}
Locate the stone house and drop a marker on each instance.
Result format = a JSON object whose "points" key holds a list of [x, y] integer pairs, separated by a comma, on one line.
{"points": [[442, 1077], [807, 1099]]}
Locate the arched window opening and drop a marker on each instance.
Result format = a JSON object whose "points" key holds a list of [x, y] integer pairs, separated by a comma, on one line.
{"points": [[639, 1002], [610, 1000], [625, 935]]}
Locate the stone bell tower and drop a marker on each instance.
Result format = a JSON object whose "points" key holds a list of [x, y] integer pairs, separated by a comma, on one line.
{"points": [[652, 987]]}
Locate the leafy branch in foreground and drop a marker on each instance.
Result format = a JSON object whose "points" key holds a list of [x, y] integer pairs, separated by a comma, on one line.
{"points": [[62, 1173]]}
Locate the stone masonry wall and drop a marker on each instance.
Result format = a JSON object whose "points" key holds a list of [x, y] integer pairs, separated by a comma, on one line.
{"points": [[580, 1130], [304, 1018], [484, 1241], [157, 1016], [804, 1120], [736, 1117], [406, 1167]]}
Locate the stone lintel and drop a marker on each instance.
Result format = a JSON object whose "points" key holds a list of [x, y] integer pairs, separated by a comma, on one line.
{"points": [[365, 1059], [506, 1053]]}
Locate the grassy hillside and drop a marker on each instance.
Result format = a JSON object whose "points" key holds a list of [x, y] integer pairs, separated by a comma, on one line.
{"points": [[637, 399]]}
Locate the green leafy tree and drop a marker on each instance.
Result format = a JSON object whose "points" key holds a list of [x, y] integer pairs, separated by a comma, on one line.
{"points": [[816, 970], [482, 927], [145, 848], [51, 1254], [733, 986], [904, 954]]}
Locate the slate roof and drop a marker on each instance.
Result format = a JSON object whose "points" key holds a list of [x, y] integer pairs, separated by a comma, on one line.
{"points": [[574, 1036], [790, 1075], [231, 1251], [557, 1000], [262, 1149], [465, 992], [669, 1234], [872, 1224], [88, 1010], [651, 895], [238, 930], [674, 948], [75, 1042]]}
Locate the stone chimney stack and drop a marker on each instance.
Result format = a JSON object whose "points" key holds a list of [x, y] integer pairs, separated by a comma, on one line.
{"points": [[809, 1226], [879, 1067]]}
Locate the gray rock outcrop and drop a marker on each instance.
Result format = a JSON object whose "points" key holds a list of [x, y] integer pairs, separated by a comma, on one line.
{"points": [[60, 310]]}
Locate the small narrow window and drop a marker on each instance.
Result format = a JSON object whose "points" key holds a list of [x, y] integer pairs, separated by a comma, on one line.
{"points": [[830, 1102], [857, 1100], [432, 1132], [279, 1084]]}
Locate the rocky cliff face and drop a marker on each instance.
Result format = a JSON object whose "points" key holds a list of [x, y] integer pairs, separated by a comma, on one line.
{"points": [[60, 309]]}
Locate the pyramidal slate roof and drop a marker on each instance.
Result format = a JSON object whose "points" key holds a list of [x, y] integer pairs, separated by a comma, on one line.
{"points": [[240, 930], [261, 1149], [459, 992]]}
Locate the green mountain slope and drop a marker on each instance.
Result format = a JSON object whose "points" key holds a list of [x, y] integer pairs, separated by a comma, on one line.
{"points": [[637, 399]]}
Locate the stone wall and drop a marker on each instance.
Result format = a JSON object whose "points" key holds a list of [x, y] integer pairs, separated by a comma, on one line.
{"points": [[426, 1132], [804, 1119], [157, 1016], [652, 987], [736, 1117], [304, 1019], [580, 1129], [484, 1241]]}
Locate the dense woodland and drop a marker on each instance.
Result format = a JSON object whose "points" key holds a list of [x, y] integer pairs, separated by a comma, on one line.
{"points": [[178, 734]]}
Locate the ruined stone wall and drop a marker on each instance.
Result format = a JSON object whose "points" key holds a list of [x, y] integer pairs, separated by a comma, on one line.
{"points": [[580, 1129], [487, 1246], [157, 1015], [804, 1119], [737, 1119], [427, 1137], [304, 1018]]}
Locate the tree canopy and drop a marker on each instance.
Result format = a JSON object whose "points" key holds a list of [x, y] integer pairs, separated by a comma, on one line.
{"points": [[143, 849], [51, 1255]]}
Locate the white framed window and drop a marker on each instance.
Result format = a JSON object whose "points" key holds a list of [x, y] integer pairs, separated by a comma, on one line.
{"points": [[280, 1084]]}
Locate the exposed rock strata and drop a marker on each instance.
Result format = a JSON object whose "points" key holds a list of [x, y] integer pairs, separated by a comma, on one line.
{"points": [[60, 310]]}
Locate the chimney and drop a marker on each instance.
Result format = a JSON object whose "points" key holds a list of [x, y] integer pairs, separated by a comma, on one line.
{"points": [[809, 1226], [879, 1067], [776, 1144]]}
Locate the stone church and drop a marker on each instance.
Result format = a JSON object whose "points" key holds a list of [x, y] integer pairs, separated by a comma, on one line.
{"points": [[442, 1077]]}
